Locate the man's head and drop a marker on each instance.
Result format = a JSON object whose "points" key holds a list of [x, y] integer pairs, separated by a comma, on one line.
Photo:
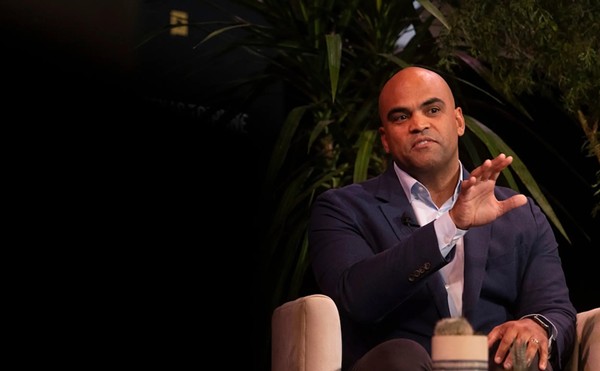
{"points": [[420, 124]]}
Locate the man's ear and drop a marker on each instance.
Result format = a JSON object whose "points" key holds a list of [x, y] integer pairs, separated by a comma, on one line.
{"points": [[383, 138], [460, 121]]}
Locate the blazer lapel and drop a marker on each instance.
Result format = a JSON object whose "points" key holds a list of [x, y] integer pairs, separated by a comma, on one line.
{"points": [[396, 207], [476, 244], [403, 220], [397, 217], [439, 294]]}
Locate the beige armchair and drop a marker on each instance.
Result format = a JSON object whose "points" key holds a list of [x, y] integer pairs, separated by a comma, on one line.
{"points": [[306, 336]]}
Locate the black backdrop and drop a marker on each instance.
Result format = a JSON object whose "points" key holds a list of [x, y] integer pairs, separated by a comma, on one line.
{"points": [[157, 181]]}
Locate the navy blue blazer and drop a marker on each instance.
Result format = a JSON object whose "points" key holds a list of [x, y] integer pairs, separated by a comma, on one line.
{"points": [[383, 272]]}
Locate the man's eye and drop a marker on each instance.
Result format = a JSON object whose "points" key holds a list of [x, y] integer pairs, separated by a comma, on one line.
{"points": [[400, 117], [434, 110]]}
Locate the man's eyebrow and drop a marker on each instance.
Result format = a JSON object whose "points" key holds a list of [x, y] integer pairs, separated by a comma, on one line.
{"points": [[432, 101]]}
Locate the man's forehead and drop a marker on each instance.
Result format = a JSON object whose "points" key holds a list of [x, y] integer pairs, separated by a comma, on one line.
{"points": [[416, 93]]}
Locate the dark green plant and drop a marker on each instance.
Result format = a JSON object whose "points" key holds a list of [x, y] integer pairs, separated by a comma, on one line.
{"points": [[550, 48], [332, 58]]}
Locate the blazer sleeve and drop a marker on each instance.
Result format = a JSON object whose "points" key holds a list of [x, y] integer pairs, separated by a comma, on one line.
{"points": [[544, 288], [364, 258]]}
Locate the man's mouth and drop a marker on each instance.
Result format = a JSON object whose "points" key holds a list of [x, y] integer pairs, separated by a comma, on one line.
{"points": [[422, 143]]}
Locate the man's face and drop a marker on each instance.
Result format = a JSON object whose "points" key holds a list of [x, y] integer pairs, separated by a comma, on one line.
{"points": [[420, 126]]}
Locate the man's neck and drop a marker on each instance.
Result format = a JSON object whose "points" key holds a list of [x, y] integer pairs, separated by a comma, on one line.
{"points": [[441, 186]]}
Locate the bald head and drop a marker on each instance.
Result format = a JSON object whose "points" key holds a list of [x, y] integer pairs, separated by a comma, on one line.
{"points": [[420, 125], [409, 80]]}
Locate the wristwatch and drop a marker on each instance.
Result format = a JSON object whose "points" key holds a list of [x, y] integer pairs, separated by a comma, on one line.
{"points": [[543, 322], [546, 325]]}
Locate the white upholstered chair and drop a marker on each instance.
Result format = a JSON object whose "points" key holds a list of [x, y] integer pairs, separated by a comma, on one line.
{"points": [[306, 336]]}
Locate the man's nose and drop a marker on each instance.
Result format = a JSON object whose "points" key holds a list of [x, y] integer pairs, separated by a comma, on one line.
{"points": [[418, 123]]}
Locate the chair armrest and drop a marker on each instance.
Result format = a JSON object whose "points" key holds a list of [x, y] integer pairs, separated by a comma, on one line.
{"points": [[306, 335], [586, 353]]}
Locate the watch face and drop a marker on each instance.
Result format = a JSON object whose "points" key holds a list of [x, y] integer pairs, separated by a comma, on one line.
{"points": [[542, 322], [547, 325]]}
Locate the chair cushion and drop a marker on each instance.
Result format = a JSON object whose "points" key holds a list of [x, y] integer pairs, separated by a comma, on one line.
{"points": [[586, 354], [306, 335]]}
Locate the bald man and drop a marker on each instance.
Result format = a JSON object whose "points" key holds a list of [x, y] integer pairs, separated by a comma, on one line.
{"points": [[428, 240]]}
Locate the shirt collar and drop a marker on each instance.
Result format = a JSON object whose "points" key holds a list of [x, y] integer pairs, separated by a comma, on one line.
{"points": [[412, 187]]}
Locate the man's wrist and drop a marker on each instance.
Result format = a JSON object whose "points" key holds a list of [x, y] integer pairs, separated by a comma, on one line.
{"points": [[545, 323], [462, 228]]}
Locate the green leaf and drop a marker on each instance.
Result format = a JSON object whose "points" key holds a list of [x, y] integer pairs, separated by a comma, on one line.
{"points": [[434, 12], [314, 134], [301, 267], [293, 264], [393, 58], [283, 142], [487, 75], [220, 31], [334, 61], [496, 146], [365, 148]]}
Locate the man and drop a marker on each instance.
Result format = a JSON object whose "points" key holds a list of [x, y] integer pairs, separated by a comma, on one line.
{"points": [[427, 240]]}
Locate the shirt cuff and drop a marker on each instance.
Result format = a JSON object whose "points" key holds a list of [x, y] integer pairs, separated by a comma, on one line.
{"points": [[447, 234]]}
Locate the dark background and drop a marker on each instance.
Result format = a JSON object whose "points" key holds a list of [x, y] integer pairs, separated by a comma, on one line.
{"points": [[124, 155]]}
